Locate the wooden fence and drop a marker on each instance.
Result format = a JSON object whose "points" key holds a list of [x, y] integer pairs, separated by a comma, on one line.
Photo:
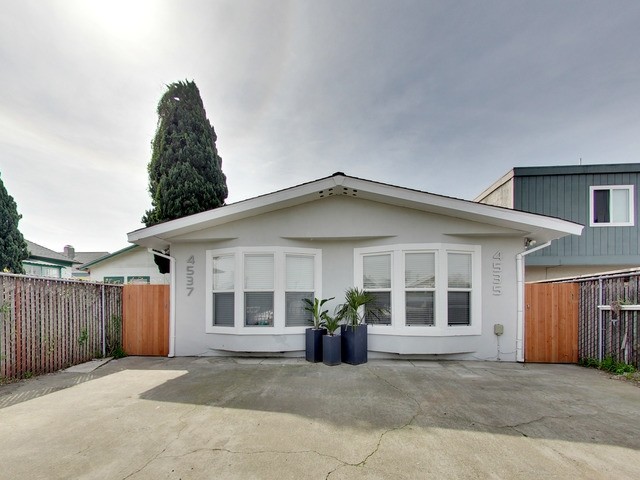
{"points": [[609, 318], [48, 324], [551, 322], [146, 319]]}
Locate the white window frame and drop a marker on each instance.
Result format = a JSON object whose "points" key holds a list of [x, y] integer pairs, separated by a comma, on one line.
{"points": [[398, 307], [632, 215], [433, 289], [279, 304], [381, 289], [255, 290], [212, 291], [298, 289]]}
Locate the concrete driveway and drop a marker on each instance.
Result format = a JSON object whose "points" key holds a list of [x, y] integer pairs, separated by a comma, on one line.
{"points": [[184, 418]]}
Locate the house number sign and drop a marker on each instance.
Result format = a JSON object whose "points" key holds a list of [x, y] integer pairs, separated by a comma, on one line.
{"points": [[496, 270], [191, 262]]}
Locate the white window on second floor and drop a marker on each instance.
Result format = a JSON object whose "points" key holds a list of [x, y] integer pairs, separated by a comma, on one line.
{"points": [[612, 206]]}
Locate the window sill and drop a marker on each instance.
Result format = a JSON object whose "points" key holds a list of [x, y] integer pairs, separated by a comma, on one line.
{"points": [[600, 225], [257, 330], [424, 331]]}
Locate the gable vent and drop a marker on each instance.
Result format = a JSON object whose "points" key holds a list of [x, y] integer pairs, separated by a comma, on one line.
{"points": [[326, 193]]}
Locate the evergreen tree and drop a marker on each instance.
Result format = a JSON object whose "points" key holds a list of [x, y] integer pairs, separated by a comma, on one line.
{"points": [[13, 248], [185, 171]]}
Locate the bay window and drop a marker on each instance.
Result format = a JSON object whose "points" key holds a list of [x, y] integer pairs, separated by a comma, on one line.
{"points": [[260, 289], [426, 289]]}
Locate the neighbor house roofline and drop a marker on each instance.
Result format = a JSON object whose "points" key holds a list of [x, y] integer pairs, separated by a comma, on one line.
{"points": [[107, 257], [538, 227], [43, 253], [593, 169], [497, 184], [598, 169]]}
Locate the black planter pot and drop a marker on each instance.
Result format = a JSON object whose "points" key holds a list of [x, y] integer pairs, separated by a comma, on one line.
{"points": [[331, 350], [354, 344], [313, 344]]}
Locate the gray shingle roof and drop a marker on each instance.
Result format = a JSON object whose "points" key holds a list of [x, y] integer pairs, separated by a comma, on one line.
{"points": [[38, 251], [86, 257]]}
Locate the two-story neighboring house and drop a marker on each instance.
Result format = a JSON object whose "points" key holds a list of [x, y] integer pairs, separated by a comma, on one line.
{"points": [[600, 197]]}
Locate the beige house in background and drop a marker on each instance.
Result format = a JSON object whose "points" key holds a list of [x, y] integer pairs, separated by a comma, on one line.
{"points": [[132, 264]]}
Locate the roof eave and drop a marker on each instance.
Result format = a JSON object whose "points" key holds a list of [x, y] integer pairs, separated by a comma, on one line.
{"points": [[533, 225]]}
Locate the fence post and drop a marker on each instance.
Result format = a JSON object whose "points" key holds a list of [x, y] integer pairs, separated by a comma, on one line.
{"points": [[102, 318], [600, 321]]}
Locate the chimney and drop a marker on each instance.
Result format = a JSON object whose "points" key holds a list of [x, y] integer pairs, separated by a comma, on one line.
{"points": [[69, 251]]}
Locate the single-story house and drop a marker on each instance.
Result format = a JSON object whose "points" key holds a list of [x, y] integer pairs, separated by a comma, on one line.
{"points": [[449, 271], [132, 264]]}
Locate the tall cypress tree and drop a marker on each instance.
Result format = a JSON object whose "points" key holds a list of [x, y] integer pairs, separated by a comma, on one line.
{"points": [[185, 171], [13, 248]]}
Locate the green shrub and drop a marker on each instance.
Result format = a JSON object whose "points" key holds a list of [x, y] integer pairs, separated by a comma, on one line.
{"points": [[608, 364]]}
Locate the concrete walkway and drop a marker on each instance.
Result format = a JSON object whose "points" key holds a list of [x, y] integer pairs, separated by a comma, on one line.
{"points": [[196, 418]]}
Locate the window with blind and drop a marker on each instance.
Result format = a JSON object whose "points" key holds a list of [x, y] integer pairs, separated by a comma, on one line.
{"points": [[376, 279], [299, 285], [223, 295], [420, 288], [257, 287], [612, 206], [458, 289], [427, 289], [258, 290]]}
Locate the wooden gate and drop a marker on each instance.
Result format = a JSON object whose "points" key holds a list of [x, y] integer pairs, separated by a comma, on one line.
{"points": [[145, 322], [551, 322]]}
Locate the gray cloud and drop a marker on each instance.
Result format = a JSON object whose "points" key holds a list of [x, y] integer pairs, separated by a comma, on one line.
{"points": [[440, 96]]}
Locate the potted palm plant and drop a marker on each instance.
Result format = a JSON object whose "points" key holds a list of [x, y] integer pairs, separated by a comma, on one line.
{"points": [[357, 303], [313, 336], [331, 345]]}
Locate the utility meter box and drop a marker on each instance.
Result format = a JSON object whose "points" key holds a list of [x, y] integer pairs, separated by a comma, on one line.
{"points": [[498, 329]]}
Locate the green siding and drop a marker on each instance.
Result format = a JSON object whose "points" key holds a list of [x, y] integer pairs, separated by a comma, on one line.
{"points": [[566, 196]]}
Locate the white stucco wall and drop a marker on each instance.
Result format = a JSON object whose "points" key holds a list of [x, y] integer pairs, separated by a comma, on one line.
{"points": [[337, 226], [136, 262]]}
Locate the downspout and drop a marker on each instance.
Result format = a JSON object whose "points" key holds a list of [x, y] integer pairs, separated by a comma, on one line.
{"points": [[520, 288], [172, 301]]}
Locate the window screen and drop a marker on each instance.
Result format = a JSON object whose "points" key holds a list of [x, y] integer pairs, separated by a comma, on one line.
{"points": [[459, 308], [258, 272], [459, 270], [296, 315], [224, 272], [258, 309], [419, 308], [223, 309], [377, 271]]}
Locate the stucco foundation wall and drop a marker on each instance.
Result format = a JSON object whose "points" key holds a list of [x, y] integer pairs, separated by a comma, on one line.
{"points": [[337, 226]]}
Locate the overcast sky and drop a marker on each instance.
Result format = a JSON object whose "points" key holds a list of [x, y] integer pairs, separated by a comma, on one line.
{"points": [[442, 96]]}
